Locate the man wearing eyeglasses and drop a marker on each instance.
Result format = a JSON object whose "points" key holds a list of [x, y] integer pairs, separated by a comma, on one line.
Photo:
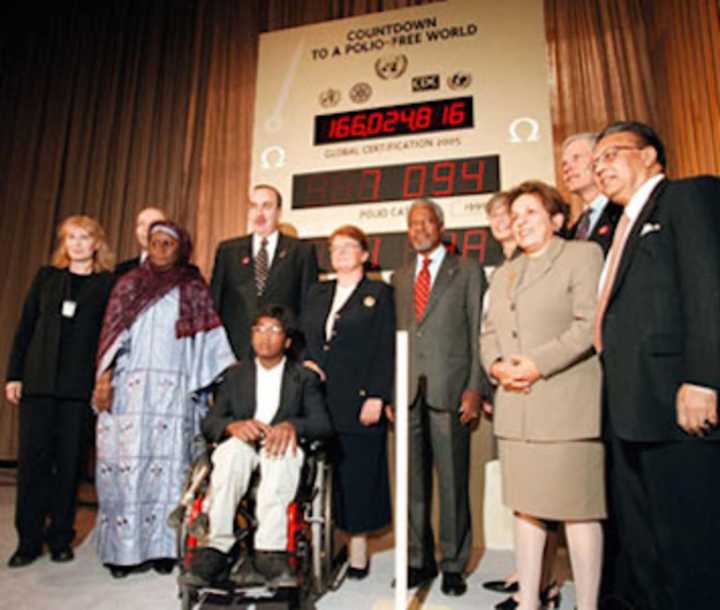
{"points": [[263, 267], [600, 215], [658, 334], [262, 408]]}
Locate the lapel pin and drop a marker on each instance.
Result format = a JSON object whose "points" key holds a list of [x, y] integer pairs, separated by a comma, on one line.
{"points": [[245, 260], [283, 254], [604, 230], [369, 301]]}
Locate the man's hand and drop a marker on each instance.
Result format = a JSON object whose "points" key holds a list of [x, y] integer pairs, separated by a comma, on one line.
{"points": [[13, 392], [280, 438], [248, 430], [470, 406], [371, 411], [103, 392], [696, 409], [315, 367]]}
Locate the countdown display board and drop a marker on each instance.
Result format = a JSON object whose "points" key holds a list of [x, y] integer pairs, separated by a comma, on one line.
{"points": [[355, 118]]}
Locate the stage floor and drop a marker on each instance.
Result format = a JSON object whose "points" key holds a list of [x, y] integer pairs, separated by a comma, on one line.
{"points": [[85, 584]]}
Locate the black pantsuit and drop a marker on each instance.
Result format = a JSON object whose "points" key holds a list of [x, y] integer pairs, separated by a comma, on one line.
{"points": [[54, 359], [53, 439]]}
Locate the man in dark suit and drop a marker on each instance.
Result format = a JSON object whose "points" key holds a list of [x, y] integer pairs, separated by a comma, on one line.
{"points": [[438, 300], [145, 218], [263, 267], [261, 409], [600, 215], [658, 333]]}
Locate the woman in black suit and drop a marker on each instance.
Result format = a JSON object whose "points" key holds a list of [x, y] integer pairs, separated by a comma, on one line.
{"points": [[51, 374], [349, 326]]}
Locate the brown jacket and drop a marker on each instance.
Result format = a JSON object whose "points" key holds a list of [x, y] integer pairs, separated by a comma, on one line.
{"points": [[545, 308]]}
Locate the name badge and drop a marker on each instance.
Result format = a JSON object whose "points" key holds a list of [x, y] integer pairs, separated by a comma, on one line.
{"points": [[68, 309]]}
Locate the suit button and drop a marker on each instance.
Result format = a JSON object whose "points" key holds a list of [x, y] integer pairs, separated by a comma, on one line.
{"points": [[362, 393], [512, 306], [514, 334], [337, 316], [326, 348]]}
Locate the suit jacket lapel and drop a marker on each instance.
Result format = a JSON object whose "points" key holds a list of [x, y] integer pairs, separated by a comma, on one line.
{"points": [[288, 391], [447, 270], [246, 392], [281, 254], [634, 237], [524, 281]]}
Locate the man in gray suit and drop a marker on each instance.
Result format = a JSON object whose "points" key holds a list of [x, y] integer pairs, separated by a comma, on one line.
{"points": [[438, 299]]}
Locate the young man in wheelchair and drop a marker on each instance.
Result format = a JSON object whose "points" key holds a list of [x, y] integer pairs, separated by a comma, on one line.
{"points": [[262, 407]]}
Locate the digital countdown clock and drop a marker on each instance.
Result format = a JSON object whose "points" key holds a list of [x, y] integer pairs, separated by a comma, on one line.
{"points": [[398, 120], [374, 184]]}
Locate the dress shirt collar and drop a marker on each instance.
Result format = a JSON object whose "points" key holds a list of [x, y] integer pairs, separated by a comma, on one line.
{"points": [[272, 241], [437, 256], [640, 197]]}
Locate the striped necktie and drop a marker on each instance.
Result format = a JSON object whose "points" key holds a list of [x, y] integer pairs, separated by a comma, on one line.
{"points": [[261, 267]]}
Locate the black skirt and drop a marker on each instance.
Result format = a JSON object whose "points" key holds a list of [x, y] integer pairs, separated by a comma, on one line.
{"points": [[361, 485]]}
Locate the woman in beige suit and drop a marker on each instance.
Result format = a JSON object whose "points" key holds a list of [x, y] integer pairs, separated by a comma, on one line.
{"points": [[537, 346]]}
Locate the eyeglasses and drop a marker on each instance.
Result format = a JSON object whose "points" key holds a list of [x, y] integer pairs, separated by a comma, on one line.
{"points": [[610, 154], [343, 247], [273, 329]]}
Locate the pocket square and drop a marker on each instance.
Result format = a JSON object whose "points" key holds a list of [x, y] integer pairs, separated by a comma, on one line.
{"points": [[649, 227]]}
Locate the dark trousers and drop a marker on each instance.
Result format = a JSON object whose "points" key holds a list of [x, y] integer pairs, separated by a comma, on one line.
{"points": [[438, 437], [666, 503], [53, 435]]}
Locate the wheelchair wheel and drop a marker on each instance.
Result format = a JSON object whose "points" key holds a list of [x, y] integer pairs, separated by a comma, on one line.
{"points": [[323, 535], [188, 598]]}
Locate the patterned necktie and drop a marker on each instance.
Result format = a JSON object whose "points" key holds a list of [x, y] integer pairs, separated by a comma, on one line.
{"points": [[618, 244], [583, 225], [261, 267], [422, 289]]}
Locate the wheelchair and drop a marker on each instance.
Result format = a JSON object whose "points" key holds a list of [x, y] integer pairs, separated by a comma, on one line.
{"points": [[312, 552]]}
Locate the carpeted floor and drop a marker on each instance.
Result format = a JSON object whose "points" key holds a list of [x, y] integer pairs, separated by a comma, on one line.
{"points": [[85, 584]]}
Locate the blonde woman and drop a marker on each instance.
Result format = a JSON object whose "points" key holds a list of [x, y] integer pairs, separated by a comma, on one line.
{"points": [[50, 377]]}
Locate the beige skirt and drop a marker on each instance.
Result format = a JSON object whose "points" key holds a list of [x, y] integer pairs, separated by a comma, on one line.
{"points": [[562, 481]]}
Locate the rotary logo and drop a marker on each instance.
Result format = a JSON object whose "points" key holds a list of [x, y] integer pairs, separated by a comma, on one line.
{"points": [[360, 93], [391, 66], [329, 98]]}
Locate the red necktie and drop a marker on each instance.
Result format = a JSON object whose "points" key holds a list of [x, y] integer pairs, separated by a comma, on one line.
{"points": [[422, 289]]}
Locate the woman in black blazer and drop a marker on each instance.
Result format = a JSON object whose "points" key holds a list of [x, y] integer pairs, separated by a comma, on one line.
{"points": [[51, 374], [349, 326]]}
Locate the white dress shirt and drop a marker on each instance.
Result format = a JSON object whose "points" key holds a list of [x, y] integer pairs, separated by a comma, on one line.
{"points": [[596, 207], [268, 383]]}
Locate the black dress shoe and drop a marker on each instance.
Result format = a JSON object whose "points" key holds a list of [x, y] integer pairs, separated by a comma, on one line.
{"points": [[62, 555], [502, 586], [358, 573], [417, 577], [453, 583], [118, 571], [507, 604], [163, 566], [21, 559]]}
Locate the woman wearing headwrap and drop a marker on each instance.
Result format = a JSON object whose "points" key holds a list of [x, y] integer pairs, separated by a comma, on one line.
{"points": [[162, 346]]}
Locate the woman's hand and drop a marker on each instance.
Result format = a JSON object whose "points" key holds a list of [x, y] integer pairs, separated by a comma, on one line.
{"points": [[524, 369], [371, 411], [516, 373], [103, 392], [13, 392], [313, 366]]}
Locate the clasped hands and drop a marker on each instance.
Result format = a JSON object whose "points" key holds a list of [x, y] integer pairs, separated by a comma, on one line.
{"points": [[276, 439], [516, 373]]}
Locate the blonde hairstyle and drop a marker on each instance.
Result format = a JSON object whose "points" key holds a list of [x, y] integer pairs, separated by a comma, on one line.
{"points": [[103, 259]]}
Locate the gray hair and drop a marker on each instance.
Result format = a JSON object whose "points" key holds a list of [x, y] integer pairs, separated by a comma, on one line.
{"points": [[589, 136], [428, 203]]}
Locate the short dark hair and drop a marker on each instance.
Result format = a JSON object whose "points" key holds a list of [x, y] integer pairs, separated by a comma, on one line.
{"points": [[549, 196], [269, 187], [646, 134]]}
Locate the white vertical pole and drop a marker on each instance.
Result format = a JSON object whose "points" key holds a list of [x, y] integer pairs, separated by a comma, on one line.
{"points": [[401, 469]]}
